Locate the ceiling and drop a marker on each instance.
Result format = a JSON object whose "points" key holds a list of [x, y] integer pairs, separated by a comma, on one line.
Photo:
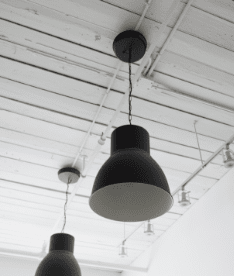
{"points": [[56, 65]]}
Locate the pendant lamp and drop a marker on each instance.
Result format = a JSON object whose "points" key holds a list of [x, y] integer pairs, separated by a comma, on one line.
{"points": [[130, 186], [60, 260]]}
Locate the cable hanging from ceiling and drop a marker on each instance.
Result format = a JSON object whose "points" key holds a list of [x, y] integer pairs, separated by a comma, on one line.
{"points": [[130, 186]]}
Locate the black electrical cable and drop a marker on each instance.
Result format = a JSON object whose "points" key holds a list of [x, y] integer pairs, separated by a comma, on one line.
{"points": [[130, 85], [69, 181]]}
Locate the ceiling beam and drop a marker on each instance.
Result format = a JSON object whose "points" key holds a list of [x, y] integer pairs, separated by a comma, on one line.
{"points": [[81, 262]]}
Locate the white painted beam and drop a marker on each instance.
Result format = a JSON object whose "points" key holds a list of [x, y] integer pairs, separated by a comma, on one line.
{"points": [[23, 14], [31, 50], [85, 263]]}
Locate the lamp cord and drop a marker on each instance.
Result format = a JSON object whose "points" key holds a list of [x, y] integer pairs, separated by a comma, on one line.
{"points": [[69, 181], [130, 85]]}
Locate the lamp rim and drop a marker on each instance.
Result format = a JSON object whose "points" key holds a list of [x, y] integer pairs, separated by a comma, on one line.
{"points": [[107, 197]]}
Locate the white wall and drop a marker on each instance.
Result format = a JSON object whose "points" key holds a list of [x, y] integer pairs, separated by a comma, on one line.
{"points": [[201, 243], [11, 266]]}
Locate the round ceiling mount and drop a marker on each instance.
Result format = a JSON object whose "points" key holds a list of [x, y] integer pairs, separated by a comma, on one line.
{"points": [[130, 40], [68, 174]]}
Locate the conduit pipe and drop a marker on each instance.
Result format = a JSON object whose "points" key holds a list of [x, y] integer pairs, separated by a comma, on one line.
{"points": [[159, 54], [147, 5], [99, 109], [147, 67], [160, 31]]}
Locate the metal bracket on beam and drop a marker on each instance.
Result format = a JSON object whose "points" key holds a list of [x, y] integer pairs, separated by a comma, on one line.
{"points": [[144, 83]]}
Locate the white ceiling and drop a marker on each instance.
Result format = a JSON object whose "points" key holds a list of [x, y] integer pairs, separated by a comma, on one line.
{"points": [[56, 65]]}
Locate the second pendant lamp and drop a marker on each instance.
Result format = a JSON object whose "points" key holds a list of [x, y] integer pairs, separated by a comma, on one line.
{"points": [[60, 260], [130, 186]]}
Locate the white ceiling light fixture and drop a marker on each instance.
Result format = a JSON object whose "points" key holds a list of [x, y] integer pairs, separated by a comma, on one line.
{"points": [[149, 231], [130, 186], [123, 249], [184, 199], [228, 157]]}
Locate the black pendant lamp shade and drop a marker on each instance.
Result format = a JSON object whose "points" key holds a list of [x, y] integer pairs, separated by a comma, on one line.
{"points": [[130, 186], [60, 260]]}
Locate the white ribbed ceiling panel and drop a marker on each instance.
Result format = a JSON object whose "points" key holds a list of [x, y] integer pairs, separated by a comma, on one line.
{"points": [[56, 64]]}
